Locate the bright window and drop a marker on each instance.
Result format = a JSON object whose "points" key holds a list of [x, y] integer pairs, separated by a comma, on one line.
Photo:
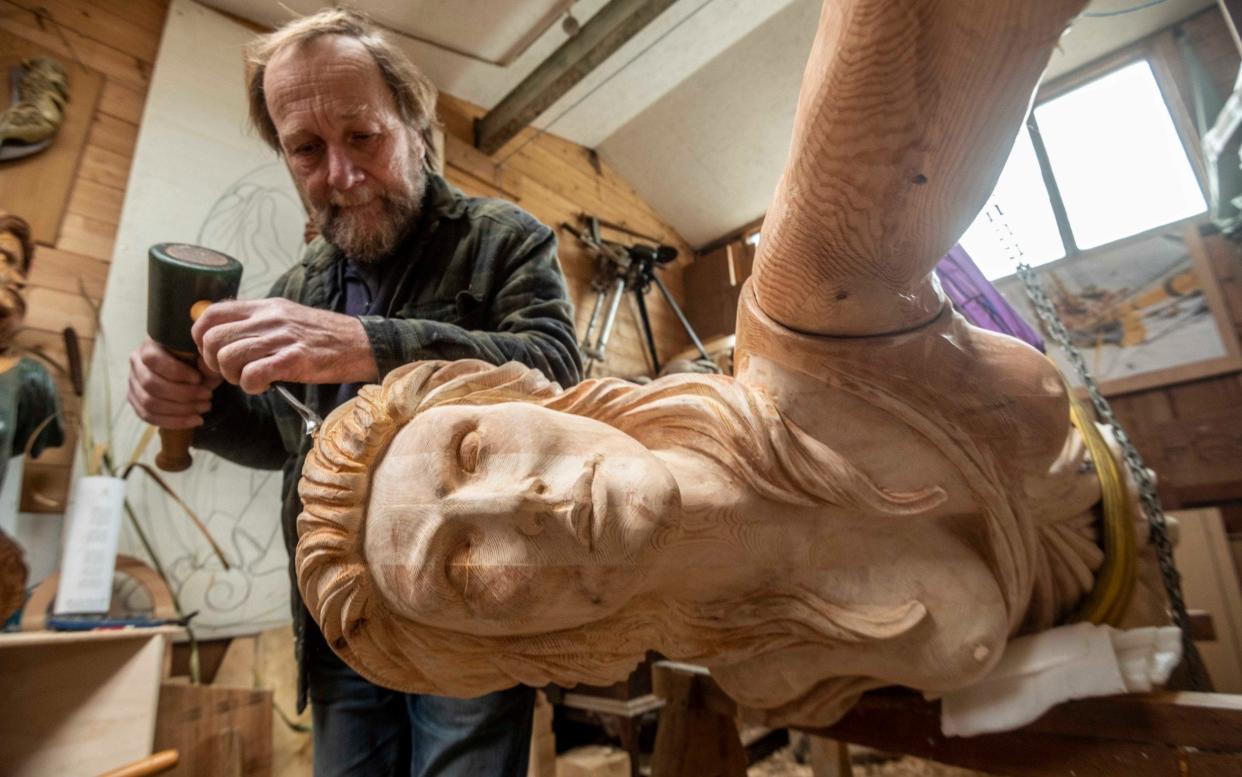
{"points": [[1018, 215], [1117, 159], [1118, 166]]}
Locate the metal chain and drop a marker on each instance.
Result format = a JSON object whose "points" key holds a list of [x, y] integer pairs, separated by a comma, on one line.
{"points": [[1148, 497]]}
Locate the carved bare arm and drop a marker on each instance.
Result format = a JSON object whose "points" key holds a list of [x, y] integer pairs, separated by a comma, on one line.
{"points": [[907, 111]]}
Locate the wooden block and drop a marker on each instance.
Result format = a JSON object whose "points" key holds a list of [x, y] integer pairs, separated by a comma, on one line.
{"points": [[77, 704], [37, 188], [467, 158], [1207, 397], [593, 761], [698, 733], [219, 732], [829, 758]]}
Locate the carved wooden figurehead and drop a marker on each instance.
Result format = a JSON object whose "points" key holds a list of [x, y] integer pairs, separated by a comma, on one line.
{"points": [[883, 495]]}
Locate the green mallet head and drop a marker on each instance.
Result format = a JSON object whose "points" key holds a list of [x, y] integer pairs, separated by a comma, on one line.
{"points": [[180, 277]]}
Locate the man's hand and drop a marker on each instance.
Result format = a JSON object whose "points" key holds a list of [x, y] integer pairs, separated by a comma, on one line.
{"points": [[255, 343], [166, 391]]}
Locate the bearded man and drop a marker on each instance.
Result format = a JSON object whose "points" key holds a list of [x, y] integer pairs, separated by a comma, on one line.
{"points": [[406, 268]]}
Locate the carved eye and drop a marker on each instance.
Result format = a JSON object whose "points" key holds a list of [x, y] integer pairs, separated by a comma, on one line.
{"points": [[468, 452]]}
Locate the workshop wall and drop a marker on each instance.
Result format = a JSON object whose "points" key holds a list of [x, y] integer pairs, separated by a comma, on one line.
{"points": [[558, 181], [118, 39]]}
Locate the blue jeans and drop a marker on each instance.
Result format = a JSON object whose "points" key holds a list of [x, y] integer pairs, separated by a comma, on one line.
{"points": [[365, 730]]}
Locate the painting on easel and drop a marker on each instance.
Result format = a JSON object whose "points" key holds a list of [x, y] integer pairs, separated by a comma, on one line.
{"points": [[1143, 314]]}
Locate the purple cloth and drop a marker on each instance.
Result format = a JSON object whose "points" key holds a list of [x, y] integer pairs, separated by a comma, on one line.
{"points": [[979, 301]]}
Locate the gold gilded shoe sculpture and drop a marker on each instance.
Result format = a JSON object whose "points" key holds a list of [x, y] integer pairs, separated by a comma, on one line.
{"points": [[40, 89]]}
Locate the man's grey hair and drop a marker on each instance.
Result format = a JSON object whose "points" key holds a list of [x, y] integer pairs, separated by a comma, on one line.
{"points": [[413, 92]]}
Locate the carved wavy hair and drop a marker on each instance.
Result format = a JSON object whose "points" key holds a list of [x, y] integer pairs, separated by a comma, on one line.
{"points": [[735, 426]]}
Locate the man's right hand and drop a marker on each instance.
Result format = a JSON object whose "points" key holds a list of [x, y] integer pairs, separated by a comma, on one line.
{"points": [[166, 391]]}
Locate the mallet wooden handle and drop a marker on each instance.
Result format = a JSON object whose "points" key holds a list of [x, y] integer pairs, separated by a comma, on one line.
{"points": [[182, 280], [174, 455]]}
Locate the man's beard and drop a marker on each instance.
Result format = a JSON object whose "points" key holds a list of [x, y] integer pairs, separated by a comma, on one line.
{"points": [[361, 239]]}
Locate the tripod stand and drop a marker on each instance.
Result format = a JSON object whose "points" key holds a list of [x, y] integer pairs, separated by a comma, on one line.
{"points": [[621, 268]]}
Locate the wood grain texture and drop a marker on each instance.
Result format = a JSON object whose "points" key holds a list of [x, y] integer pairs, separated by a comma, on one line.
{"points": [[906, 115], [557, 181], [848, 513]]}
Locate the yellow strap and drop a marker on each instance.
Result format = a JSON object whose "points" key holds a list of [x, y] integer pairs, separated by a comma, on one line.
{"points": [[1114, 583]]}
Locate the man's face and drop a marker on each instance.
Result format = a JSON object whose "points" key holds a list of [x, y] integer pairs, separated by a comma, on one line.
{"points": [[358, 166]]}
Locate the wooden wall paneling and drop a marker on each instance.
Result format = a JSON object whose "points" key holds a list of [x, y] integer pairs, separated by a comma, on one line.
{"points": [[118, 39], [557, 181], [1225, 261], [36, 187], [1206, 397], [53, 310], [1210, 582], [114, 134], [54, 268], [97, 23], [1200, 457], [96, 201], [25, 20], [122, 102], [104, 167], [85, 235]]}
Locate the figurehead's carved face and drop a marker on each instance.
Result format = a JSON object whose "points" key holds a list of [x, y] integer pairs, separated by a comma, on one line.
{"points": [[513, 519], [468, 526]]}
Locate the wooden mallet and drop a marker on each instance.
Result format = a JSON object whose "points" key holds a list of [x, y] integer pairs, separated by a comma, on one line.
{"points": [[182, 281]]}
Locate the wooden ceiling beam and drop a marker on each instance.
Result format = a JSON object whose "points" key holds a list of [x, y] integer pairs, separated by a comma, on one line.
{"points": [[605, 32]]}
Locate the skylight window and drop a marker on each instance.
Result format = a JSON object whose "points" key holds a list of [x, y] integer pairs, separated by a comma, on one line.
{"points": [[1118, 167], [1117, 159]]}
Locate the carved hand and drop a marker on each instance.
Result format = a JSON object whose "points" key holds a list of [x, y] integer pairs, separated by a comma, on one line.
{"points": [[257, 342]]}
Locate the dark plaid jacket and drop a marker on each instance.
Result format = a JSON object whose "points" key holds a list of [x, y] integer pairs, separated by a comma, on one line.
{"points": [[481, 282]]}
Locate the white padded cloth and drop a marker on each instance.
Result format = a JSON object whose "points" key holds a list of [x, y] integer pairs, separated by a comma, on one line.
{"points": [[1068, 662]]}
